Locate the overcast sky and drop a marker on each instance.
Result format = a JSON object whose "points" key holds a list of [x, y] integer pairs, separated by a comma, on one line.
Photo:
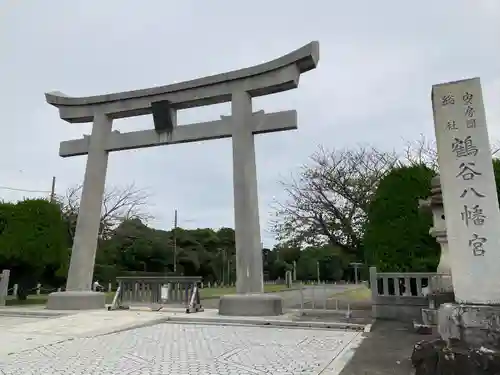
{"points": [[378, 62]]}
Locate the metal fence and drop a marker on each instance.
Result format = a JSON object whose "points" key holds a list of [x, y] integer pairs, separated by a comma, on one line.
{"points": [[335, 302], [326, 299], [4, 286], [158, 292]]}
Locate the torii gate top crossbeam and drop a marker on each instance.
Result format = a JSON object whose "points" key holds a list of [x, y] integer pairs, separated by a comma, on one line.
{"points": [[271, 77]]}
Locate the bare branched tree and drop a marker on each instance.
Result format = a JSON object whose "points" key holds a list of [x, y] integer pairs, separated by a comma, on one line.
{"points": [[328, 200], [423, 151], [119, 204]]}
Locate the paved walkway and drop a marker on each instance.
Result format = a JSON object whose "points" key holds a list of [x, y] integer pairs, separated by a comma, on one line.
{"points": [[135, 343], [188, 349], [9, 321]]}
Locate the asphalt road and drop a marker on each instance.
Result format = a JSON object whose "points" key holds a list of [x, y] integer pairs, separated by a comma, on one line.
{"points": [[386, 350], [311, 295]]}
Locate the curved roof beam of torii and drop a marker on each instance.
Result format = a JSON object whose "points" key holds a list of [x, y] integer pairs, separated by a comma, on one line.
{"points": [[271, 77]]}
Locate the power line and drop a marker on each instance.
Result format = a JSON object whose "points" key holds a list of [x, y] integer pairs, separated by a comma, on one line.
{"points": [[24, 190]]}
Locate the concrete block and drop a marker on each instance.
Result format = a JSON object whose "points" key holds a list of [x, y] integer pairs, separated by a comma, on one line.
{"points": [[251, 305], [76, 300]]}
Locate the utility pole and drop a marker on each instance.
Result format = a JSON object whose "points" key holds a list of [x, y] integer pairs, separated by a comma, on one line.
{"points": [[174, 241], [53, 189], [223, 253], [317, 269]]}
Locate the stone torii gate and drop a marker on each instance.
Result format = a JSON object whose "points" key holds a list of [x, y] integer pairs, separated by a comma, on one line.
{"points": [[237, 87]]}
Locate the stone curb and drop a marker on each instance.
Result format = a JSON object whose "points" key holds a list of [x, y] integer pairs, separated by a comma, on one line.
{"points": [[267, 323], [305, 312], [128, 328]]}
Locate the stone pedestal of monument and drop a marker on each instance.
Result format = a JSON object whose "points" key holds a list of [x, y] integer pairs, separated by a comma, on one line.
{"points": [[76, 300], [469, 343], [258, 304]]}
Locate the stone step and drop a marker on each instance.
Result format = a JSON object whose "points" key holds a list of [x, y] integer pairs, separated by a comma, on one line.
{"points": [[423, 329], [427, 324]]}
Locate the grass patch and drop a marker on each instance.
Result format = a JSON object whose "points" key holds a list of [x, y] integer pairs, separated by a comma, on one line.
{"points": [[41, 299], [217, 292], [27, 302], [360, 294], [205, 293]]}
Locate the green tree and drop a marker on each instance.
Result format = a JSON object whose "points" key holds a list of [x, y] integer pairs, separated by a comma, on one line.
{"points": [[496, 171], [135, 247], [328, 260], [32, 238], [287, 254], [397, 232]]}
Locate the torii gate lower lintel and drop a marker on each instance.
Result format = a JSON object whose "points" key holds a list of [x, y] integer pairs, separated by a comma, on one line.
{"points": [[238, 87], [200, 131]]}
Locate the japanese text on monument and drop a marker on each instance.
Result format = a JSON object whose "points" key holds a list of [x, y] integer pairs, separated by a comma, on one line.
{"points": [[465, 150]]}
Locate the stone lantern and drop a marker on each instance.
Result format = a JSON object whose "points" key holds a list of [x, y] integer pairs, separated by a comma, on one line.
{"points": [[440, 289], [442, 283]]}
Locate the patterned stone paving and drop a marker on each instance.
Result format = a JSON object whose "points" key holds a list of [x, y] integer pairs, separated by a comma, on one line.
{"points": [[183, 349], [10, 321]]}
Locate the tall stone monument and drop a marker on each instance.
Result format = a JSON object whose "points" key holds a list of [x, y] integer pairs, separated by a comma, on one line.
{"points": [[469, 327], [237, 87]]}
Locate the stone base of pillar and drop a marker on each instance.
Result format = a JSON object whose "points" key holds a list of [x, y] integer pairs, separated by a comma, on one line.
{"points": [[440, 292], [76, 300], [469, 343], [430, 314], [251, 305]]}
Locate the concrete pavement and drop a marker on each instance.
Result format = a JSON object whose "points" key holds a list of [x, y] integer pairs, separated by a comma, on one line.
{"points": [[141, 342], [190, 349]]}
